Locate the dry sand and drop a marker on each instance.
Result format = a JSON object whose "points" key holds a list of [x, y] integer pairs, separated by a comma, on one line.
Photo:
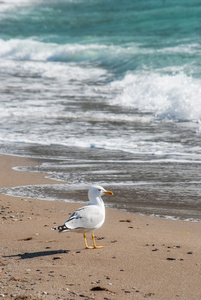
{"points": [[143, 257]]}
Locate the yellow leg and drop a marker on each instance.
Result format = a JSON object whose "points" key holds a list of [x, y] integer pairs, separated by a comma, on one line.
{"points": [[94, 242], [85, 240]]}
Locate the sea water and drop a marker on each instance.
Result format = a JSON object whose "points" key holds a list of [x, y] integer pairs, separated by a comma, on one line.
{"points": [[105, 92]]}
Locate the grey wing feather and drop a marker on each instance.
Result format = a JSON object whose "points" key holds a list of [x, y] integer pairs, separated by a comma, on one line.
{"points": [[85, 217]]}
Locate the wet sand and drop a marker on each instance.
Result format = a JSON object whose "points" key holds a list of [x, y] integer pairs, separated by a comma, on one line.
{"points": [[143, 257]]}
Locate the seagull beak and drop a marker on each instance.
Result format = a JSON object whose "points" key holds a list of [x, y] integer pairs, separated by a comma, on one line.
{"points": [[108, 192]]}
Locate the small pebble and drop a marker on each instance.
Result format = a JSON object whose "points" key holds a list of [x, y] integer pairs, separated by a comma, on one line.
{"points": [[74, 293], [127, 221], [115, 241], [45, 293]]}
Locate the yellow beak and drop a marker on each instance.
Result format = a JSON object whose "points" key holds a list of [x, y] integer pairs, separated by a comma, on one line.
{"points": [[109, 193]]}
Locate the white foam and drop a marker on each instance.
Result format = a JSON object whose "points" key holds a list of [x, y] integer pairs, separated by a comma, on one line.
{"points": [[167, 96], [30, 49], [10, 5], [191, 48]]}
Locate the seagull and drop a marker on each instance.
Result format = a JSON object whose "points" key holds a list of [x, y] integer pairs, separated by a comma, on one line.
{"points": [[89, 217]]}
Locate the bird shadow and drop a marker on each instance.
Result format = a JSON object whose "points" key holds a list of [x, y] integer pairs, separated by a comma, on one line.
{"points": [[28, 255]]}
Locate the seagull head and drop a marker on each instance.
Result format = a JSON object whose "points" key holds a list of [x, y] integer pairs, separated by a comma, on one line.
{"points": [[97, 191]]}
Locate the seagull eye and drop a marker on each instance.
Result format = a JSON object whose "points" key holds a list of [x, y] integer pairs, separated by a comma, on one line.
{"points": [[99, 190]]}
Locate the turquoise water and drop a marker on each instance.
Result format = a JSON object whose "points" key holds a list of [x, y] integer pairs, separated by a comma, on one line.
{"points": [[150, 34], [152, 22], [105, 92]]}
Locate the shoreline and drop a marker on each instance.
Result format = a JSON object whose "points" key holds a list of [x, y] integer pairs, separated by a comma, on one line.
{"points": [[143, 256]]}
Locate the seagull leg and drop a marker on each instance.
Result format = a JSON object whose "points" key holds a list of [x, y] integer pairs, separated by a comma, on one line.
{"points": [[85, 240], [95, 243]]}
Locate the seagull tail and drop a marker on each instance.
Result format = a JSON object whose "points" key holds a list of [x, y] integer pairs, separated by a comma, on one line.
{"points": [[61, 228]]}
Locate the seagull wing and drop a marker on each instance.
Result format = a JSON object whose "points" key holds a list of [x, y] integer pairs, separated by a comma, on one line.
{"points": [[85, 218]]}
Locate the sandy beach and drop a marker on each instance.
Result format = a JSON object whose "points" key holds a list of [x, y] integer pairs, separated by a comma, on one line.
{"points": [[143, 257]]}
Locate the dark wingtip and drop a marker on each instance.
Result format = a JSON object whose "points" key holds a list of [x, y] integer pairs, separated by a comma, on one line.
{"points": [[54, 228], [60, 228]]}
